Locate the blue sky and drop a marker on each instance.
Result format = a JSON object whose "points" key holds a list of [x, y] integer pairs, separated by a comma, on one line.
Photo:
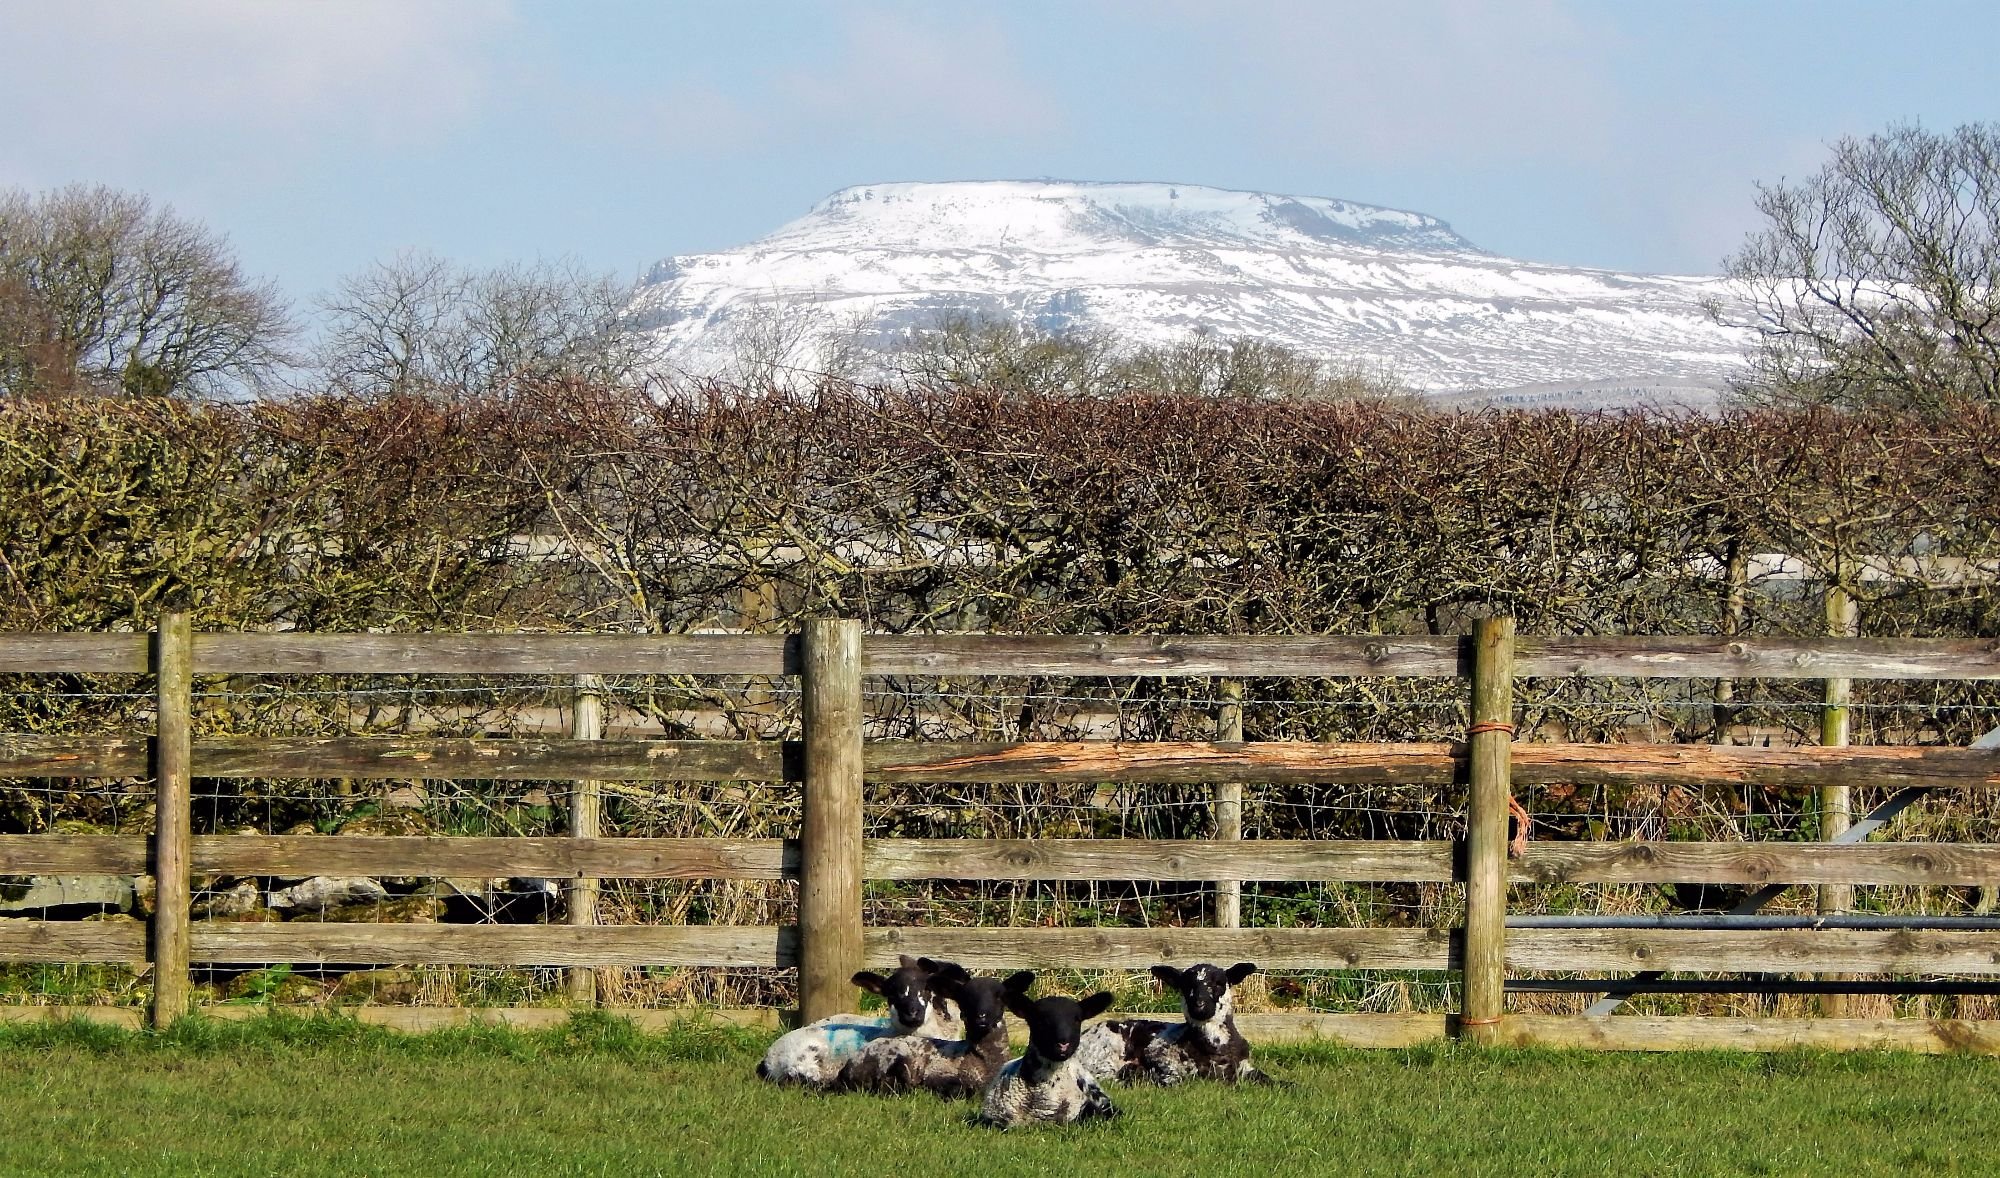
{"points": [[321, 136]]}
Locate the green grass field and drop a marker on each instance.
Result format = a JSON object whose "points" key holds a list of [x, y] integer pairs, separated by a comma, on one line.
{"points": [[286, 1096]]}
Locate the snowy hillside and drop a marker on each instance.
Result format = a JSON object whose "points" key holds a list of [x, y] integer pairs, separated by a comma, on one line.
{"points": [[1155, 263]]}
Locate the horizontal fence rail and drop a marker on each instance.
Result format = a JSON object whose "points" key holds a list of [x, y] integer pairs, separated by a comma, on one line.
{"points": [[1161, 762], [1355, 860], [1897, 951], [1774, 951], [1835, 947], [1250, 655]]}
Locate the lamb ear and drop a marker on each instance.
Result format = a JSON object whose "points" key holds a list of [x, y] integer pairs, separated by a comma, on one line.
{"points": [[1241, 970], [905, 961], [1020, 1005], [947, 976], [1019, 983], [1171, 976], [871, 982], [1096, 1004]]}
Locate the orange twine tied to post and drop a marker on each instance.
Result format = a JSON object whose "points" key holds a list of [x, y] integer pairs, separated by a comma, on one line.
{"points": [[1518, 845]]}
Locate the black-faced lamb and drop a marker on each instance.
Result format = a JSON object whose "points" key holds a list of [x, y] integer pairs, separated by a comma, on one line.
{"points": [[949, 1068], [1047, 1084], [1206, 1046], [813, 1054]]}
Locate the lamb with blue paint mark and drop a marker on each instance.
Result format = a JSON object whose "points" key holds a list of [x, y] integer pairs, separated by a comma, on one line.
{"points": [[813, 1054], [948, 1068], [1047, 1084], [1205, 1046]]}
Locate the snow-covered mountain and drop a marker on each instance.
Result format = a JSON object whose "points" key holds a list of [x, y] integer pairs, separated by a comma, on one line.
{"points": [[1380, 289]]}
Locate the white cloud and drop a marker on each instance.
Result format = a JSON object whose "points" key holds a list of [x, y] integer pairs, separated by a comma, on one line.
{"points": [[901, 75], [1632, 146], [1693, 190], [1412, 82], [114, 81]]}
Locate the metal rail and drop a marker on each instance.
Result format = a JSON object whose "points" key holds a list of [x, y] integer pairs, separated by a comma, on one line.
{"points": [[1751, 986], [1616, 995], [1727, 922]]}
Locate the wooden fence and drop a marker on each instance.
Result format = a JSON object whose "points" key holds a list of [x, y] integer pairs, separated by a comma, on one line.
{"points": [[830, 860]]}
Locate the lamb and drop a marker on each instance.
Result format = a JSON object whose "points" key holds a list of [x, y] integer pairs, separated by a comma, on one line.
{"points": [[1206, 1046], [949, 1068], [813, 1055], [1047, 1084]]}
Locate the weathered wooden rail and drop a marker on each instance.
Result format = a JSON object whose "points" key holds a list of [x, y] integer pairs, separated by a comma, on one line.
{"points": [[1260, 656], [1355, 860], [1274, 762], [831, 859]]}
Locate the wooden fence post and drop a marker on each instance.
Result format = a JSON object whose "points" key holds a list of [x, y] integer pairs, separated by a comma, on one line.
{"points": [[830, 834], [1229, 804], [1836, 804], [1489, 742], [586, 801], [1736, 572], [173, 807]]}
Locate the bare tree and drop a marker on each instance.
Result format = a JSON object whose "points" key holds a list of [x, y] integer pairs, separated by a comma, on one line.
{"points": [[100, 289], [965, 351], [1248, 367], [33, 356], [420, 323], [1877, 281], [791, 343]]}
